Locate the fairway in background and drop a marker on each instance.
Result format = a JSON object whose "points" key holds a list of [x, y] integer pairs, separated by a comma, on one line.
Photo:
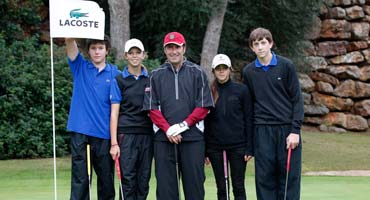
{"points": [[334, 151], [33, 179]]}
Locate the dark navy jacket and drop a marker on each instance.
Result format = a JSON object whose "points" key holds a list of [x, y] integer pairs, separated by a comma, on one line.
{"points": [[177, 94], [276, 93], [230, 124]]}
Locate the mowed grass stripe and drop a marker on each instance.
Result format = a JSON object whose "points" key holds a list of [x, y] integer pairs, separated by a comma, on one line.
{"points": [[33, 178]]}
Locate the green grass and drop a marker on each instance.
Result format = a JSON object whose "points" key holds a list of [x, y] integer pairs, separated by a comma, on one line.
{"points": [[33, 179], [335, 151]]}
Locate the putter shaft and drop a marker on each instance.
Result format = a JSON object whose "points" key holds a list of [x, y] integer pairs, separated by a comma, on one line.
{"points": [[88, 168], [226, 172], [177, 172], [287, 172], [118, 168]]}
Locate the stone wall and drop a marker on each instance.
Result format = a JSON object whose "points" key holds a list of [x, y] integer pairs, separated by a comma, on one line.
{"points": [[337, 90]]}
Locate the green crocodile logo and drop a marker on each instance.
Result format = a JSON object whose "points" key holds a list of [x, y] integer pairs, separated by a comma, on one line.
{"points": [[75, 14]]}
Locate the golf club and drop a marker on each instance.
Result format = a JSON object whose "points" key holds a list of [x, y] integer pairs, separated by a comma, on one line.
{"points": [[226, 172], [177, 172], [88, 168], [287, 171], [118, 168]]}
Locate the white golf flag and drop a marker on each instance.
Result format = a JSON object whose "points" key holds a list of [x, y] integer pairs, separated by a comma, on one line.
{"points": [[76, 19]]}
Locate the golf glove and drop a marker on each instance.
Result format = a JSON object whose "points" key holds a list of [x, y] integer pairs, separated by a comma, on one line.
{"points": [[177, 128]]}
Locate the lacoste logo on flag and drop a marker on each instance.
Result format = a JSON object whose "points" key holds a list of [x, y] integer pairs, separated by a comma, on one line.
{"points": [[75, 14]]}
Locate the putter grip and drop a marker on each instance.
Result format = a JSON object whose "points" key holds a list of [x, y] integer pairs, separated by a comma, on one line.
{"points": [[288, 160], [225, 163], [88, 160], [118, 169]]}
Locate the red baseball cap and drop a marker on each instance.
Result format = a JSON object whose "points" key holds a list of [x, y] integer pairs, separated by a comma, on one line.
{"points": [[174, 38]]}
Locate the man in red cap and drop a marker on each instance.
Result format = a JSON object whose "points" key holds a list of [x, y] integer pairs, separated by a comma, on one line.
{"points": [[178, 99]]}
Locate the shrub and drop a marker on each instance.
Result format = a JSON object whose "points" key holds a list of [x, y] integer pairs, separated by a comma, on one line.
{"points": [[25, 100]]}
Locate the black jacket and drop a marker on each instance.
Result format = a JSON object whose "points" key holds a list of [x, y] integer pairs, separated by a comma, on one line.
{"points": [[276, 94], [177, 94], [230, 123]]}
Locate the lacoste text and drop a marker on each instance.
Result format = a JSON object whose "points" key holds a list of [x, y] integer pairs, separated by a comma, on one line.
{"points": [[83, 23]]}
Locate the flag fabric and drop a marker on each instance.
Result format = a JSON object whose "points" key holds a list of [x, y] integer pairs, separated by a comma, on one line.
{"points": [[76, 19]]}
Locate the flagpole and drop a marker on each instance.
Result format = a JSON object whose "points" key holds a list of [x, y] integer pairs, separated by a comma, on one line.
{"points": [[53, 116]]}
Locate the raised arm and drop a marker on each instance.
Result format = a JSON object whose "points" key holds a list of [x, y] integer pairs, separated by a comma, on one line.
{"points": [[72, 49]]}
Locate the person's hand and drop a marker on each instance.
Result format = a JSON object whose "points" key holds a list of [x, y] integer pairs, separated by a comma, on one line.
{"points": [[175, 139], [247, 158], [171, 131], [114, 151], [178, 138], [292, 141], [170, 138], [207, 161], [169, 134], [177, 129]]}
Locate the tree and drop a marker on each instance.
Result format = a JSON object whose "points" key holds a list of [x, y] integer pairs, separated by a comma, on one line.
{"points": [[188, 17], [119, 25], [288, 20], [19, 18], [212, 36]]}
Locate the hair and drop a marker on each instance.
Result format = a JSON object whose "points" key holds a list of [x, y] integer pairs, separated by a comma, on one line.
{"points": [[145, 69], [106, 42], [258, 34], [214, 90]]}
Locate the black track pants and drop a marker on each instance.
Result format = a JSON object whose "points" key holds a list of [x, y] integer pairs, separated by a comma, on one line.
{"points": [[270, 163], [136, 162], [190, 165], [101, 162]]}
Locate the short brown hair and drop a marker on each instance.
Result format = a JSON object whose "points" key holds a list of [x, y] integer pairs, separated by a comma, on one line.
{"points": [[258, 34], [106, 42]]}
